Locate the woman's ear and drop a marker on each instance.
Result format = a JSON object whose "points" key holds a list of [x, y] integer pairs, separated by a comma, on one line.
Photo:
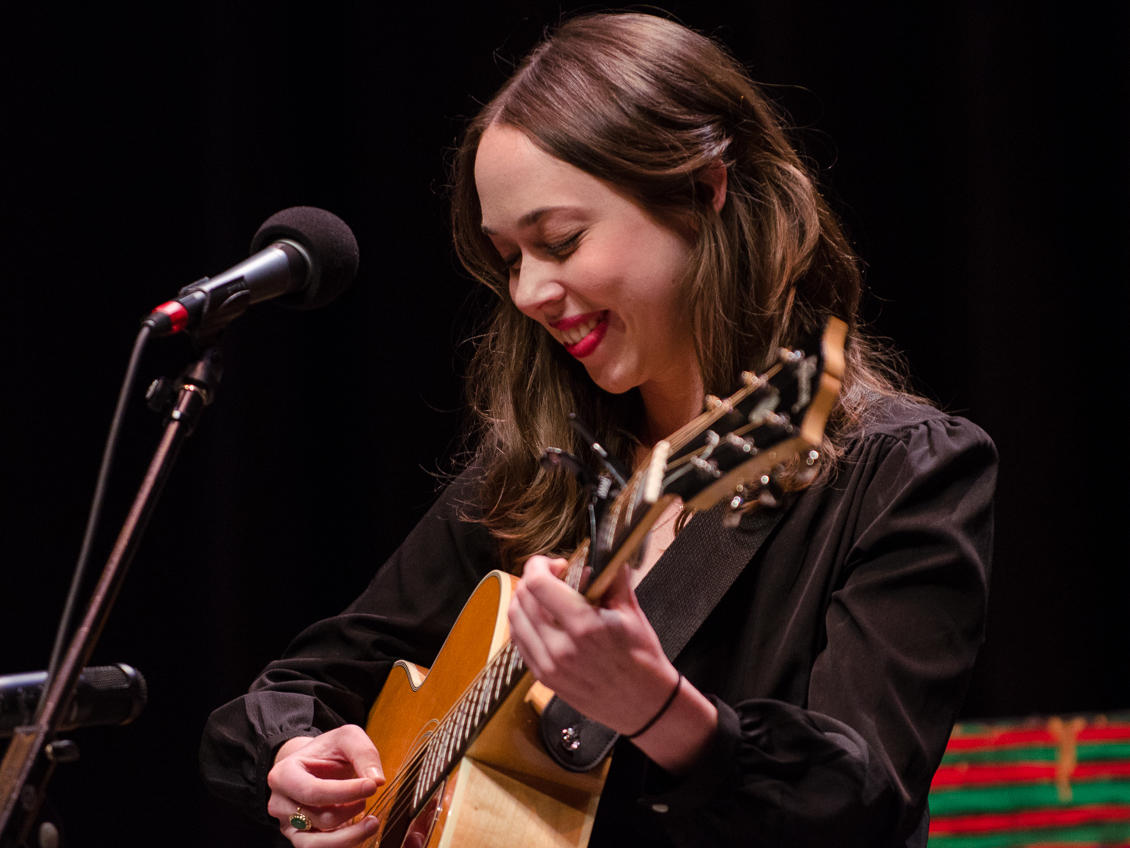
{"points": [[714, 177]]}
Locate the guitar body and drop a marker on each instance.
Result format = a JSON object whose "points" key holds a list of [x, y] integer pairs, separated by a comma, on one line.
{"points": [[504, 790]]}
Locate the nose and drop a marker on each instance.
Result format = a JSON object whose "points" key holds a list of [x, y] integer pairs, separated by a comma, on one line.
{"points": [[535, 288]]}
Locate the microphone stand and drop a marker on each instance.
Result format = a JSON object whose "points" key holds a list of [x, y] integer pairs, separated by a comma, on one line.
{"points": [[23, 777]]}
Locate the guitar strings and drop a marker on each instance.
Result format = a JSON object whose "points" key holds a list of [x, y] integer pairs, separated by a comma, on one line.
{"points": [[391, 792], [393, 798], [402, 802]]}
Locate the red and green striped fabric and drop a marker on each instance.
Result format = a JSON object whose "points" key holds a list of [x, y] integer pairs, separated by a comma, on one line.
{"points": [[1038, 783]]}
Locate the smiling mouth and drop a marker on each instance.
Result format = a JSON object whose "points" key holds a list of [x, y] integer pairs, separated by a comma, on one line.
{"points": [[582, 334]]}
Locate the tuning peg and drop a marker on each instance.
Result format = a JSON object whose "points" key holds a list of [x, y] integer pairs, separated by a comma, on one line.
{"points": [[730, 451], [741, 445], [810, 467], [736, 507], [706, 466], [784, 354], [769, 494]]}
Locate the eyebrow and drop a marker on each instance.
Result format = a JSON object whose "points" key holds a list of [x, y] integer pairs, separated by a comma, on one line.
{"points": [[529, 218]]}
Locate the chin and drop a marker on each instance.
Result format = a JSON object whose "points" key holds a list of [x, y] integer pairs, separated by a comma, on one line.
{"points": [[614, 384]]}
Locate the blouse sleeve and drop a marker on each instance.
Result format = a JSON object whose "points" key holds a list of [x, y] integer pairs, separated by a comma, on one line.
{"points": [[903, 621], [332, 672]]}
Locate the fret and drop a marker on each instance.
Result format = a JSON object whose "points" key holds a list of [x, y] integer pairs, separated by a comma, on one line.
{"points": [[447, 745], [498, 677], [494, 685], [482, 696], [462, 719]]}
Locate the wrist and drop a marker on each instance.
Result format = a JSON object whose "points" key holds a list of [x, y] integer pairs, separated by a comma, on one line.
{"points": [[678, 737], [660, 712], [292, 745]]}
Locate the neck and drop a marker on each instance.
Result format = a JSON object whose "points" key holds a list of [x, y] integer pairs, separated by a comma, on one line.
{"points": [[669, 405]]}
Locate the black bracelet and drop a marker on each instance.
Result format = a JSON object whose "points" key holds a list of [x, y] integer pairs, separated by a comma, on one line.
{"points": [[666, 705]]}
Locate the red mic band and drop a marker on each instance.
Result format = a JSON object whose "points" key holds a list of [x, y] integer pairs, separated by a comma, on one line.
{"points": [[176, 314]]}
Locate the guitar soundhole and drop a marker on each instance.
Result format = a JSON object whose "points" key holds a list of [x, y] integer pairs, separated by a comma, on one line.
{"points": [[401, 833], [421, 827]]}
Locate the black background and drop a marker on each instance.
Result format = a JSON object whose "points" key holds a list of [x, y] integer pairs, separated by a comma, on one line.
{"points": [[977, 154]]}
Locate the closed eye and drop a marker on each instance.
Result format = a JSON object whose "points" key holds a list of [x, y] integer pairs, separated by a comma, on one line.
{"points": [[558, 250], [562, 249]]}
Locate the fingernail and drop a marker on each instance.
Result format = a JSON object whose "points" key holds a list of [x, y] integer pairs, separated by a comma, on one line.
{"points": [[371, 824], [374, 773]]}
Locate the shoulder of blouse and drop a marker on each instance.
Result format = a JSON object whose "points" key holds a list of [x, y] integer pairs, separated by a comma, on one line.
{"points": [[903, 419]]}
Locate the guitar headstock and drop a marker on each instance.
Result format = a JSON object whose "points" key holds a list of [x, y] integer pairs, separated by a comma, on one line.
{"points": [[766, 422], [728, 451]]}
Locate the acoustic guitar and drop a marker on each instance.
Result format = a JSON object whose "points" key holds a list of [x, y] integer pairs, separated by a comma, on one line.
{"points": [[460, 745]]}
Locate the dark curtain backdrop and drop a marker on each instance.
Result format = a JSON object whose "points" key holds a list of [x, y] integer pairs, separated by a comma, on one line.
{"points": [[976, 152]]}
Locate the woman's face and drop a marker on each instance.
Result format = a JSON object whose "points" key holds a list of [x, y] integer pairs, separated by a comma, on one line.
{"points": [[590, 265]]}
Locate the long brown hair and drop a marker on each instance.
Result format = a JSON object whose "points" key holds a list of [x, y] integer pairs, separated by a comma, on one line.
{"points": [[649, 106]]}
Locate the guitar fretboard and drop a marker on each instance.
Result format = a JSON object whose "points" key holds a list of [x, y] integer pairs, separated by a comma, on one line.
{"points": [[456, 730]]}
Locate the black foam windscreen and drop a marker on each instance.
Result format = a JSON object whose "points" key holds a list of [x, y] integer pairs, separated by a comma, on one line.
{"points": [[330, 244]]}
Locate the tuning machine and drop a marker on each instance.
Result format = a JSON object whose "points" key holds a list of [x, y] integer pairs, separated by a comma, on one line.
{"points": [[737, 506], [764, 491], [809, 467]]}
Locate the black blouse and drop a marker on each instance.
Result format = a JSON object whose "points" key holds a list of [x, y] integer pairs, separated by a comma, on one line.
{"points": [[838, 658]]}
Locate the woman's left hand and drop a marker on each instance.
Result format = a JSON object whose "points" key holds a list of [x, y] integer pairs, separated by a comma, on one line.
{"points": [[605, 660]]}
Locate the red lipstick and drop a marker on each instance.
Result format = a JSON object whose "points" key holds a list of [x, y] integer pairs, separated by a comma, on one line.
{"points": [[582, 347]]}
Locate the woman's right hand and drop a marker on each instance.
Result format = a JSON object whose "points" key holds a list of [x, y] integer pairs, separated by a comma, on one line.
{"points": [[327, 778]]}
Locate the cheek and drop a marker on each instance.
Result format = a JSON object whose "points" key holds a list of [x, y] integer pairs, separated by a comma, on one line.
{"points": [[639, 272], [663, 272]]}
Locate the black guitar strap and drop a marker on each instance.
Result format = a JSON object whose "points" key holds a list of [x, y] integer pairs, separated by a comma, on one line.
{"points": [[677, 595]]}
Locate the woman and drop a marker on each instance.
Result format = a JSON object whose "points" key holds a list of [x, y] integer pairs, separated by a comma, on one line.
{"points": [[650, 233]]}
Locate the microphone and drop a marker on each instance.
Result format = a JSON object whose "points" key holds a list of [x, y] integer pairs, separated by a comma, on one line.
{"points": [[107, 694], [304, 256]]}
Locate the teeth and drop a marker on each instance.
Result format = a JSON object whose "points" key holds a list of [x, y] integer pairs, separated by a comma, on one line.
{"points": [[574, 335]]}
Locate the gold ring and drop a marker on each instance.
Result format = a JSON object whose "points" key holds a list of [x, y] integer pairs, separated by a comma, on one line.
{"points": [[299, 820]]}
